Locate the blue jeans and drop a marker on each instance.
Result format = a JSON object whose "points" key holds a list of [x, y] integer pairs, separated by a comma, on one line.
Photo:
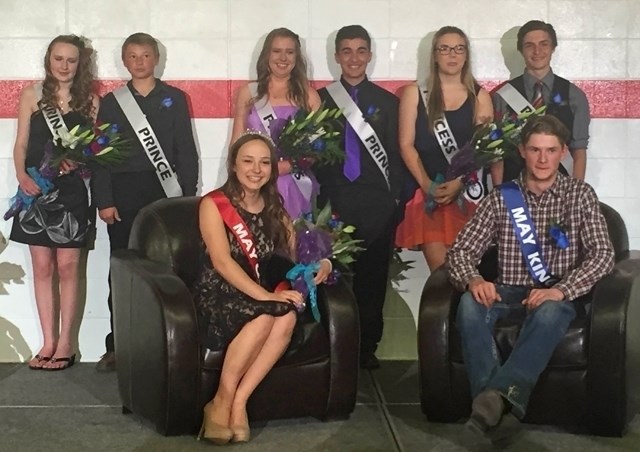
{"points": [[542, 330]]}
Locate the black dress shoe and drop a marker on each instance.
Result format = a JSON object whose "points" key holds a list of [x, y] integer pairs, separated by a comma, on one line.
{"points": [[369, 361], [107, 362]]}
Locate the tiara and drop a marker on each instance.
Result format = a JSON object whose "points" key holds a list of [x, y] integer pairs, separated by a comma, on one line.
{"points": [[257, 133]]}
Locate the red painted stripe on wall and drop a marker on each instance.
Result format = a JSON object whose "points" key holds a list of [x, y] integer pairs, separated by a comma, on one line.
{"points": [[213, 98]]}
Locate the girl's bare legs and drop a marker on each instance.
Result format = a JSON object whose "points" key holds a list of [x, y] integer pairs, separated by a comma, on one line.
{"points": [[242, 351], [274, 347], [68, 262], [42, 260]]}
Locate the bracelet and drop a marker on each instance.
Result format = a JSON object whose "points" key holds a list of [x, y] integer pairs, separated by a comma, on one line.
{"points": [[330, 264]]}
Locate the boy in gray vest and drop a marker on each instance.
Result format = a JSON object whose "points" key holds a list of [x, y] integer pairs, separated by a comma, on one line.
{"points": [[540, 86]]}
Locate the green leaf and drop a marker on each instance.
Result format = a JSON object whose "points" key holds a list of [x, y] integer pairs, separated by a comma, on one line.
{"points": [[324, 215]]}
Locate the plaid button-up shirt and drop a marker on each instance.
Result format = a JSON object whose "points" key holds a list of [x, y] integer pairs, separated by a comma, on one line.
{"points": [[569, 201]]}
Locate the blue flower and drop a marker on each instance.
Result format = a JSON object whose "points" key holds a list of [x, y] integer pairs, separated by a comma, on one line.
{"points": [[372, 113], [495, 134], [559, 236], [557, 99], [114, 129], [167, 102], [319, 145], [333, 223], [87, 151], [308, 217], [102, 140]]}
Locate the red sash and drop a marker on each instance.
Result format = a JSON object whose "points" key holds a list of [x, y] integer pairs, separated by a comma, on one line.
{"points": [[239, 229]]}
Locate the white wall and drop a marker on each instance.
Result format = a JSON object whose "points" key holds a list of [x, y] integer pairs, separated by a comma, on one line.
{"points": [[218, 40]]}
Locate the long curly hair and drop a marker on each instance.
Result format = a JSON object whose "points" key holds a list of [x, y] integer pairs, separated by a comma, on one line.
{"points": [[275, 214], [298, 80], [435, 107], [82, 86]]}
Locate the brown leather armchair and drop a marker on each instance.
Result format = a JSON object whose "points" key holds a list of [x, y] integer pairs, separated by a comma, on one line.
{"points": [[592, 378], [165, 377]]}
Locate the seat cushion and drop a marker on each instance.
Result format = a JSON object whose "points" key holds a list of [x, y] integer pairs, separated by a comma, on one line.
{"points": [[572, 351]]}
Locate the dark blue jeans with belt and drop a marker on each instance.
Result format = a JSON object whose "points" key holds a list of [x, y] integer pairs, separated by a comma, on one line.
{"points": [[542, 330]]}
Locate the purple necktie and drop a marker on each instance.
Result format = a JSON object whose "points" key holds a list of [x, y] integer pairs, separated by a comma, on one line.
{"points": [[351, 168]]}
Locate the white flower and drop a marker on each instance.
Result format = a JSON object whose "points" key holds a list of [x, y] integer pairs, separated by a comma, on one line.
{"points": [[67, 138]]}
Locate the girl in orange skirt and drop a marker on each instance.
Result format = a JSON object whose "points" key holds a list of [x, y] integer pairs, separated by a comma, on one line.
{"points": [[451, 93]]}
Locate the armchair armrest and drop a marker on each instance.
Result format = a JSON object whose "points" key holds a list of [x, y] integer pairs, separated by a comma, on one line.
{"points": [[614, 349], [437, 303], [155, 332], [339, 315]]}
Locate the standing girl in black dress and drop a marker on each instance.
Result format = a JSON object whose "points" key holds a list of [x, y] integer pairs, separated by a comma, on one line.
{"points": [[55, 225]]}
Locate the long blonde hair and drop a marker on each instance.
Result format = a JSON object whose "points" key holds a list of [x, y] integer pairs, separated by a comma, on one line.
{"points": [[435, 103]]}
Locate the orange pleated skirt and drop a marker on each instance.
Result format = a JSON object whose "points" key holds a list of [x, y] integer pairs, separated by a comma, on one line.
{"points": [[440, 226]]}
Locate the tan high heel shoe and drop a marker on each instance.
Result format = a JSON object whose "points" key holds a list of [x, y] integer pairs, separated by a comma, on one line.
{"points": [[241, 433], [212, 431]]}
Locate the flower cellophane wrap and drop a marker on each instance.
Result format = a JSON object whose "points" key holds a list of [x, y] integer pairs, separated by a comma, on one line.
{"points": [[490, 143], [320, 235], [99, 143]]}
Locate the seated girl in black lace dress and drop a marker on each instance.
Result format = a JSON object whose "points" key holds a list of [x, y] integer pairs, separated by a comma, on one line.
{"points": [[242, 224]]}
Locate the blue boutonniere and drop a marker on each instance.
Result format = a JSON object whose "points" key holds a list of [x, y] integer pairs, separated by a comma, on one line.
{"points": [[372, 114], [166, 103], [557, 99], [558, 234]]}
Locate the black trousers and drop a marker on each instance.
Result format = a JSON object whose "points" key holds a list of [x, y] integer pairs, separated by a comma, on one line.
{"points": [[371, 271], [131, 192]]}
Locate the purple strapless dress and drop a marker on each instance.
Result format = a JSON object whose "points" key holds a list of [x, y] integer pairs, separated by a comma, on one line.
{"points": [[298, 192]]}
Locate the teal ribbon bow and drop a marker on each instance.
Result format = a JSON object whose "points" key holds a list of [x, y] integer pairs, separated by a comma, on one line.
{"points": [[307, 272]]}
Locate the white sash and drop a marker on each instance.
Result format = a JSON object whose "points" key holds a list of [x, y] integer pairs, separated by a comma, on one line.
{"points": [[449, 148], [363, 129], [263, 107], [52, 116], [149, 141], [266, 113], [514, 99]]}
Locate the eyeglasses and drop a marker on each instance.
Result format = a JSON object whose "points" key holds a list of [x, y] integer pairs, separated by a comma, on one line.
{"points": [[446, 50]]}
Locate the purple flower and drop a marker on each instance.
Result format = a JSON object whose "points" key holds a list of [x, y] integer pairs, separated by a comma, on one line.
{"points": [[167, 102]]}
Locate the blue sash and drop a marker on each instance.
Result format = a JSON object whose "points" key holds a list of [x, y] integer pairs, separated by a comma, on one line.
{"points": [[525, 232]]}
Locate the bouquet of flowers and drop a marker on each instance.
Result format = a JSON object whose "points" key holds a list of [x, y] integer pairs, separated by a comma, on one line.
{"points": [[100, 143], [309, 138], [490, 143], [322, 238]]}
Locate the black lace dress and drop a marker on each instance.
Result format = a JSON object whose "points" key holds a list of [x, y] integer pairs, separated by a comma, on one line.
{"points": [[59, 219], [222, 309]]}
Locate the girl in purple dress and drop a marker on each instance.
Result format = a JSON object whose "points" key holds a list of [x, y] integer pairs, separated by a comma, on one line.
{"points": [[281, 89]]}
